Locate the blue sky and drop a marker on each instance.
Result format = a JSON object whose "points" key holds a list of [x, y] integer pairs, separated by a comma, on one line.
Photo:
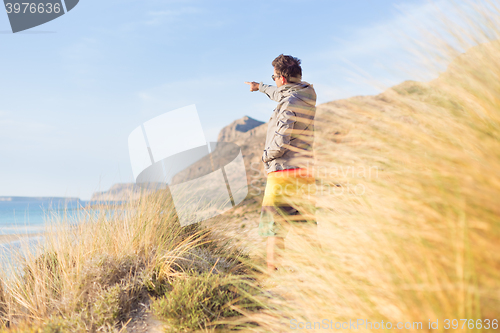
{"points": [[73, 89]]}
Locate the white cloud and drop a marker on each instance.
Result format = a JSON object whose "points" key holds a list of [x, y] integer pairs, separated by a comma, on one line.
{"points": [[389, 35], [376, 57]]}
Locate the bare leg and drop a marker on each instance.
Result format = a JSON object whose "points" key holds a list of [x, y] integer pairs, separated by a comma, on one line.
{"points": [[273, 243]]}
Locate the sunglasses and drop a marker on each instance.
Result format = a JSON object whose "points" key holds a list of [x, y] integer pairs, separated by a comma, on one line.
{"points": [[274, 77]]}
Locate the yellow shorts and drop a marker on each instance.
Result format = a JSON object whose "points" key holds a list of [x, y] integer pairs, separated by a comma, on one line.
{"points": [[288, 199]]}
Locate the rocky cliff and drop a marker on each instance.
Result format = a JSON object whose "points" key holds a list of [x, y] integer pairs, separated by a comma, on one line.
{"points": [[249, 134], [237, 129], [246, 132]]}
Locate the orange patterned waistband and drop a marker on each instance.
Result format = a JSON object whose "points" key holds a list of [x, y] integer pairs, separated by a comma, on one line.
{"points": [[297, 172]]}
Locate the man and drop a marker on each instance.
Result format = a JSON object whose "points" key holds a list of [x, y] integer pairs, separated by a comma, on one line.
{"points": [[287, 155]]}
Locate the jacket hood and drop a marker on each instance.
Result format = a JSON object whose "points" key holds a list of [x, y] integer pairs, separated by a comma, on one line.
{"points": [[301, 90]]}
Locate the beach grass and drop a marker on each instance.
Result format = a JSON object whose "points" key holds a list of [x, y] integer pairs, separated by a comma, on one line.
{"points": [[407, 191], [408, 188]]}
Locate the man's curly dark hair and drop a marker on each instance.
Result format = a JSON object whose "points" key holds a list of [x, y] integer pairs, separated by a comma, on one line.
{"points": [[287, 66]]}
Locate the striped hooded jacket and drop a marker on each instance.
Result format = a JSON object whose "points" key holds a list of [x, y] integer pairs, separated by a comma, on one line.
{"points": [[290, 132]]}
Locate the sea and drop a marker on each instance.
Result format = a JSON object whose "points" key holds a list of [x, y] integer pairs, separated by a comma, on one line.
{"points": [[29, 216]]}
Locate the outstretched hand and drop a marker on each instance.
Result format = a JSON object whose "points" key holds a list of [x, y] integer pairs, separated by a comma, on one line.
{"points": [[254, 86]]}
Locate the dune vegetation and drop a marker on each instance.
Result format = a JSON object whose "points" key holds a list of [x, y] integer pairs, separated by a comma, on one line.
{"points": [[110, 272], [408, 199]]}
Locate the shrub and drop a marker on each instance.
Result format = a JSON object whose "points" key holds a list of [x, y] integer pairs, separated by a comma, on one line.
{"points": [[198, 302]]}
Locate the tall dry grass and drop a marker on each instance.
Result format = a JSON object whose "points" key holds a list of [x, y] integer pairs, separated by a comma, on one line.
{"points": [[101, 271], [408, 197]]}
